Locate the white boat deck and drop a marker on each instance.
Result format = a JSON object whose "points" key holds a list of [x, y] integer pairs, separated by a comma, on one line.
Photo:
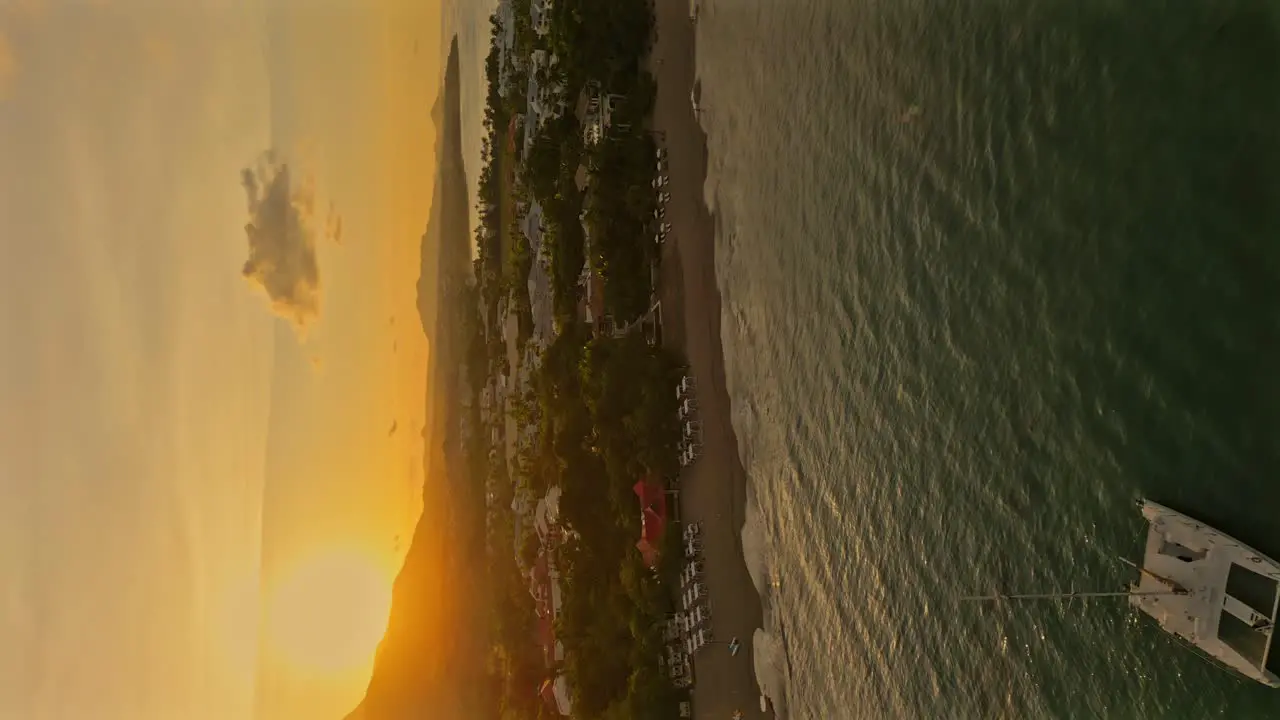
{"points": [[1227, 596]]}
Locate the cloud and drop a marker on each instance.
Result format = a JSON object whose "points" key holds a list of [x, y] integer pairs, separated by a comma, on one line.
{"points": [[334, 224], [282, 238]]}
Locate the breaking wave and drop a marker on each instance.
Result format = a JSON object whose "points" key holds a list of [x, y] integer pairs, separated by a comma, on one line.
{"points": [[771, 669], [755, 544]]}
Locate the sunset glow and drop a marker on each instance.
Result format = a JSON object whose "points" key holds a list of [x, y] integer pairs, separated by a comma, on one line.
{"points": [[328, 615]]}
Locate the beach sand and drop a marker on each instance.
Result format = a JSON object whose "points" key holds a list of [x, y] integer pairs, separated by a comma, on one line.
{"points": [[713, 490]]}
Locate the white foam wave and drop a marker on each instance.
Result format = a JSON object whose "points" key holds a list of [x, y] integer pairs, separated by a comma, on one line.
{"points": [[711, 193], [771, 669], [743, 413], [755, 548]]}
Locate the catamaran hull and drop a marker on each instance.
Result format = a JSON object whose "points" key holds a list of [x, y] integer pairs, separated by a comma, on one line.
{"points": [[1211, 590]]}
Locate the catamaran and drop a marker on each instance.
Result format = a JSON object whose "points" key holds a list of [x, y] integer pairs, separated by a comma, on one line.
{"points": [[1205, 587]]}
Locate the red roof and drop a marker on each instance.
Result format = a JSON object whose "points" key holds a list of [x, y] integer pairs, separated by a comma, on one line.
{"points": [[651, 494], [648, 552], [651, 526], [547, 639], [653, 518], [540, 573], [548, 694]]}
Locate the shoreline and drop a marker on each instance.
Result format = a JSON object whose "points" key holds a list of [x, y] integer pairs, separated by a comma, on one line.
{"points": [[713, 491]]}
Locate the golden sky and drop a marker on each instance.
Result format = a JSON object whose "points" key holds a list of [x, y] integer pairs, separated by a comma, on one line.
{"points": [[352, 93], [171, 450]]}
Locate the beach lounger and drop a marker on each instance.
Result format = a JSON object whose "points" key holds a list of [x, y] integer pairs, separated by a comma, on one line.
{"points": [[688, 576], [699, 616], [702, 638], [688, 408]]}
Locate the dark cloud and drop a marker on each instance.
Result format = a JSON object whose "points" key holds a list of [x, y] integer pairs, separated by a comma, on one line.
{"points": [[334, 224], [282, 238]]}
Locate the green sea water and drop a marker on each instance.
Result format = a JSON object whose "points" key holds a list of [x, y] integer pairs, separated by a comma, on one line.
{"points": [[993, 270]]}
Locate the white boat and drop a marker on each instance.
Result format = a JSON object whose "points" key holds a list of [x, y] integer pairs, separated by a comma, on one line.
{"points": [[1211, 590], [1204, 587]]}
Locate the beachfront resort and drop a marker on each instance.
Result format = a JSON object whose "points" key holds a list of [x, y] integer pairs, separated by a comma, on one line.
{"points": [[587, 427]]}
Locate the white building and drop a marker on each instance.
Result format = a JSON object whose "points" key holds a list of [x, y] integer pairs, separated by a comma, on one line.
{"points": [[540, 15], [546, 101], [599, 117], [560, 691], [546, 515], [506, 18]]}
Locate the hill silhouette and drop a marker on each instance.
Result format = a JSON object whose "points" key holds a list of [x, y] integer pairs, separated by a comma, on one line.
{"points": [[429, 663]]}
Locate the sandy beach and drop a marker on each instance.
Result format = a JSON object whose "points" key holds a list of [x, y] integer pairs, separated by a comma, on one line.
{"points": [[713, 490]]}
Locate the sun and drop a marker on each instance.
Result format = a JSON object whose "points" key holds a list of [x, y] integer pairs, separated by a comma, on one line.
{"points": [[329, 614]]}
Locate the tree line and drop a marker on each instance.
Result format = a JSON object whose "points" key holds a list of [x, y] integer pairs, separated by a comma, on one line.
{"points": [[604, 407]]}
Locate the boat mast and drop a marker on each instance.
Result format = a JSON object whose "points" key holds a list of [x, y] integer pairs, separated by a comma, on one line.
{"points": [[1174, 590], [1075, 595]]}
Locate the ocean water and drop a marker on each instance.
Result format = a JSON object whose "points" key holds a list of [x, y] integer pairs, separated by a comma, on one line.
{"points": [[993, 270]]}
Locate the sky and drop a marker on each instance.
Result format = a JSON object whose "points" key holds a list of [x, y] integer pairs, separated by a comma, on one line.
{"points": [[210, 216], [469, 20]]}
